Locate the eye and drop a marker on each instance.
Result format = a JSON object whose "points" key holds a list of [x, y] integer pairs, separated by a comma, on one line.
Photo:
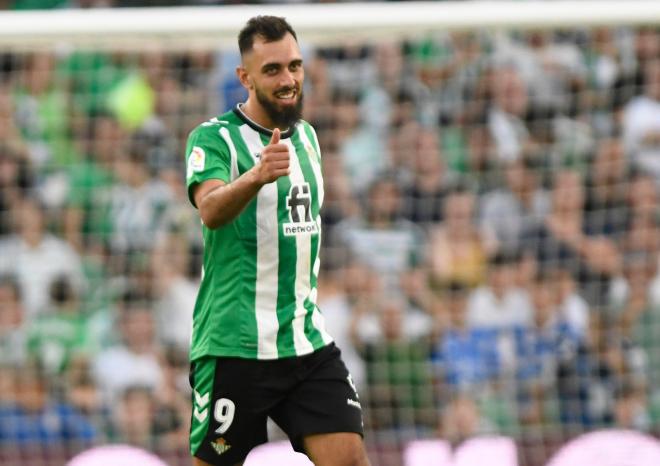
{"points": [[271, 70]]}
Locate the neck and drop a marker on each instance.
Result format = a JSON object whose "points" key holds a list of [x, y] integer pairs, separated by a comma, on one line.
{"points": [[256, 113]]}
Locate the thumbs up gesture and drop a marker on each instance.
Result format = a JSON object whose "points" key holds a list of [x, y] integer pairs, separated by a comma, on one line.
{"points": [[274, 160]]}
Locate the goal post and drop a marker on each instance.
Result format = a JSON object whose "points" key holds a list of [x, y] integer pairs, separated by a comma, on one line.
{"points": [[317, 23]]}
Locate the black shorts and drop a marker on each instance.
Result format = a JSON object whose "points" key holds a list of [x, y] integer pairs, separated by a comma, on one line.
{"points": [[233, 397]]}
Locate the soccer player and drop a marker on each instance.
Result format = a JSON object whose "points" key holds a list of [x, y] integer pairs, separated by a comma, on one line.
{"points": [[259, 345]]}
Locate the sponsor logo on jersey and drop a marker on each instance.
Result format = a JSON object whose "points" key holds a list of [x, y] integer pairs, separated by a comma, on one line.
{"points": [[196, 160], [220, 445], [299, 203]]}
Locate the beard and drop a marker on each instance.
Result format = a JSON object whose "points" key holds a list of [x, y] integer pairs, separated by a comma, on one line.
{"points": [[282, 116]]}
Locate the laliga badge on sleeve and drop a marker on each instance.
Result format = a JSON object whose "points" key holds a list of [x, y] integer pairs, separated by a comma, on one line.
{"points": [[196, 161]]}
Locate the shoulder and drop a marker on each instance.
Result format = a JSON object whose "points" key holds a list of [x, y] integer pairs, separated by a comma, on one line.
{"points": [[307, 127], [210, 129], [305, 124]]}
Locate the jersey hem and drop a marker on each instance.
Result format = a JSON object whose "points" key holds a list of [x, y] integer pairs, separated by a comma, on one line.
{"points": [[242, 354]]}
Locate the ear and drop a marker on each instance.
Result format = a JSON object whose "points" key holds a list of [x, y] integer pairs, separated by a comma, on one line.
{"points": [[244, 77]]}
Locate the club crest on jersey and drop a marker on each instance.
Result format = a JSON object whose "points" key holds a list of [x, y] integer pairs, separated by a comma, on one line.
{"points": [[311, 152], [196, 160], [299, 204], [220, 446]]}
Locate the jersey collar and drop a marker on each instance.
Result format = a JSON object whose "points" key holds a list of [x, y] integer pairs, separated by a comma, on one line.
{"points": [[257, 127]]}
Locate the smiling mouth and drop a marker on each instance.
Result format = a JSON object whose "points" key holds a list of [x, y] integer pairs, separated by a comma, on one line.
{"points": [[287, 94]]}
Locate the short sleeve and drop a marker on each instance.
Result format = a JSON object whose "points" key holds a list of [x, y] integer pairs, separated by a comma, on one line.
{"points": [[207, 158]]}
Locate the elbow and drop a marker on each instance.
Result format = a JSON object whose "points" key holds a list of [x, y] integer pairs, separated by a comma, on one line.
{"points": [[209, 219]]}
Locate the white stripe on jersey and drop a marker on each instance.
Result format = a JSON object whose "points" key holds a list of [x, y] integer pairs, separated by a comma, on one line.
{"points": [[267, 259], [315, 163], [224, 133], [317, 318], [303, 263]]}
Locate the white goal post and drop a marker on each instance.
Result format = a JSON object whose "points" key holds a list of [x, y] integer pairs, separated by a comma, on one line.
{"points": [[183, 27]]}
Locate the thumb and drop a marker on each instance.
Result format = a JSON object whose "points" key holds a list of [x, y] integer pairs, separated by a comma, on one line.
{"points": [[276, 136]]}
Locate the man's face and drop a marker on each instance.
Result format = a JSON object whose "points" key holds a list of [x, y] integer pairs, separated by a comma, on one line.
{"points": [[274, 75]]}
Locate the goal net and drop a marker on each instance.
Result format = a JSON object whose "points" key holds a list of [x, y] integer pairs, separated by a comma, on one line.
{"points": [[491, 236]]}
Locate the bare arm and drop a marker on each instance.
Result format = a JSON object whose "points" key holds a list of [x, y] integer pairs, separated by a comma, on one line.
{"points": [[219, 203]]}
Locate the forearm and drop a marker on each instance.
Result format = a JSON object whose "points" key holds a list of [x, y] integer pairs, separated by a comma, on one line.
{"points": [[225, 202]]}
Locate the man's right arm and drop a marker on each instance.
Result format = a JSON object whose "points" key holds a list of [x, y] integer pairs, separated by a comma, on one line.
{"points": [[219, 203]]}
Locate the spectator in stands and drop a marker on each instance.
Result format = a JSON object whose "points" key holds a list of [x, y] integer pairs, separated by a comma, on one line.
{"points": [[87, 222], [631, 410], [43, 112], [134, 417], [176, 284], [449, 66], [35, 419], [520, 204], [606, 189], [399, 392], [506, 119], [361, 147], [10, 133], [339, 202], [641, 122], [13, 338], [173, 401], [562, 238], [81, 392], [381, 238], [636, 304], [136, 359], [464, 357], [424, 194], [499, 303], [16, 179], [573, 308], [62, 331], [140, 419], [538, 346], [137, 203], [348, 289], [458, 248], [37, 257], [547, 66], [643, 216]]}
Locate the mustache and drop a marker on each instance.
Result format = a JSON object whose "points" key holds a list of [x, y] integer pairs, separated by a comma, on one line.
{"points": [[286, 89]]}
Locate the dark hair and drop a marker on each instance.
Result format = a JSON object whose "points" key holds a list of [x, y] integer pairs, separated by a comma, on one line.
{"points": [[269, 28], [61, 290], [504, 258]]}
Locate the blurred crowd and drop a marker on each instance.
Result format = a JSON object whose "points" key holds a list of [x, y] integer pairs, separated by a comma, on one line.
{"points": [[491, 237]]}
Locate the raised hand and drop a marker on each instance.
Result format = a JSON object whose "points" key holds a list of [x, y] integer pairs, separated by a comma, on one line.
{"points": [[274, 160]]}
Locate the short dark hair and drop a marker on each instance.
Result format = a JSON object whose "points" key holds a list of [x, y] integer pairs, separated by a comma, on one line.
{"points": [[269, 28]]}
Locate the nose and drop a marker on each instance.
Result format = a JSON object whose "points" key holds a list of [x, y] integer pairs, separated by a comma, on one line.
{"points": [[287, 79]]}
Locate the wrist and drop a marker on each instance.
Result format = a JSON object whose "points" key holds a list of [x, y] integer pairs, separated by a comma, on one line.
{"points": [[254, 177]]}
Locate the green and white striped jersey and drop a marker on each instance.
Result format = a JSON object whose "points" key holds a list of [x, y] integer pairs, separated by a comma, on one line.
{"points": [[257, 298]]}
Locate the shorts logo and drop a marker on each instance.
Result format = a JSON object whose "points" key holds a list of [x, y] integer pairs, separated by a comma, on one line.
{"points": [[299, 203], [200, 411], [196, 161], [355, 404], [220, 446]]}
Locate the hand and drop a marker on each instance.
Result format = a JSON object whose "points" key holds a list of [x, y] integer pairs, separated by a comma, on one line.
{"points": [[274, 160]]}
